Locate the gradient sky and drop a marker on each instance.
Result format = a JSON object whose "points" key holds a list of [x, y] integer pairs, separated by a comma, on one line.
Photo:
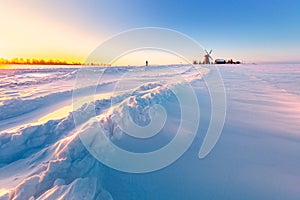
{"points": [[251, 31]]}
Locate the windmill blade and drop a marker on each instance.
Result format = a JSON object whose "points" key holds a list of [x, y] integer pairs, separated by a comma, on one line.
{"points": [[210, 51], [206, 51]]}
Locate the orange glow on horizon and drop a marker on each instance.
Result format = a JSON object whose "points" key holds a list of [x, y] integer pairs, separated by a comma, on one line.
{"points": [[27, 34], [34, 61]]}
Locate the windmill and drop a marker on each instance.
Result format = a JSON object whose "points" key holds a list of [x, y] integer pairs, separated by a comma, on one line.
{"points": [[207, 57]]}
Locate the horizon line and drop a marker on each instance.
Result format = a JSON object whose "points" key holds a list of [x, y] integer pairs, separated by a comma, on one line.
{"points": [[41, 61]]}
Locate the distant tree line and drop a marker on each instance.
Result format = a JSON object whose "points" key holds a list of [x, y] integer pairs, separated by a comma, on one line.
{"points": [[219, 61], [34, 61]]}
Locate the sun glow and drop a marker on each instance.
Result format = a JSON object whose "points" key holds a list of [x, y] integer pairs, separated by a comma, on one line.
{"points": [[30, 34]]}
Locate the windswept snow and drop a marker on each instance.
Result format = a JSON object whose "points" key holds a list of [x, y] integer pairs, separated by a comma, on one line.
{"points": [[42, 155]]}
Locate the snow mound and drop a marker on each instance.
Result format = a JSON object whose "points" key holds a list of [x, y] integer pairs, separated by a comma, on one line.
{"points": [[54, 161], [134, 109], [56, 164]]}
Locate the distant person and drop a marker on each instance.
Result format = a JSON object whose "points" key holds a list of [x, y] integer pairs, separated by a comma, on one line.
{"points": [[146, 62]]}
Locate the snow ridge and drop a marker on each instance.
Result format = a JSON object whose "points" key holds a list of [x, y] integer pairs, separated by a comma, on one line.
{"points": [[56, 162]]}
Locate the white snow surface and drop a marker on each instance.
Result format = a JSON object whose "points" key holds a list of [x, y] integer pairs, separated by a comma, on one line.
{"points": [[42, 156]]}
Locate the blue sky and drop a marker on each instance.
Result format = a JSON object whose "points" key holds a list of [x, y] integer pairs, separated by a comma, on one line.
{"points": [[253, 31]]}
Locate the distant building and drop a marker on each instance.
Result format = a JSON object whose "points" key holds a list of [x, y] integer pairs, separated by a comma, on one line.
{"points": [[220, 61]]}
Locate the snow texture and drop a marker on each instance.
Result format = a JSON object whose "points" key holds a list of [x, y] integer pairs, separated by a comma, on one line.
{"points": [[257, 156]]}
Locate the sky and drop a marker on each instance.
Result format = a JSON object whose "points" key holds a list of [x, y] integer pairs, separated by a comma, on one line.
{"points": [[246, 30]]}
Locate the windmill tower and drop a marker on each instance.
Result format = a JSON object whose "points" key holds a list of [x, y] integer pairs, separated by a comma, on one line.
{"points": [[207, 57]]}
